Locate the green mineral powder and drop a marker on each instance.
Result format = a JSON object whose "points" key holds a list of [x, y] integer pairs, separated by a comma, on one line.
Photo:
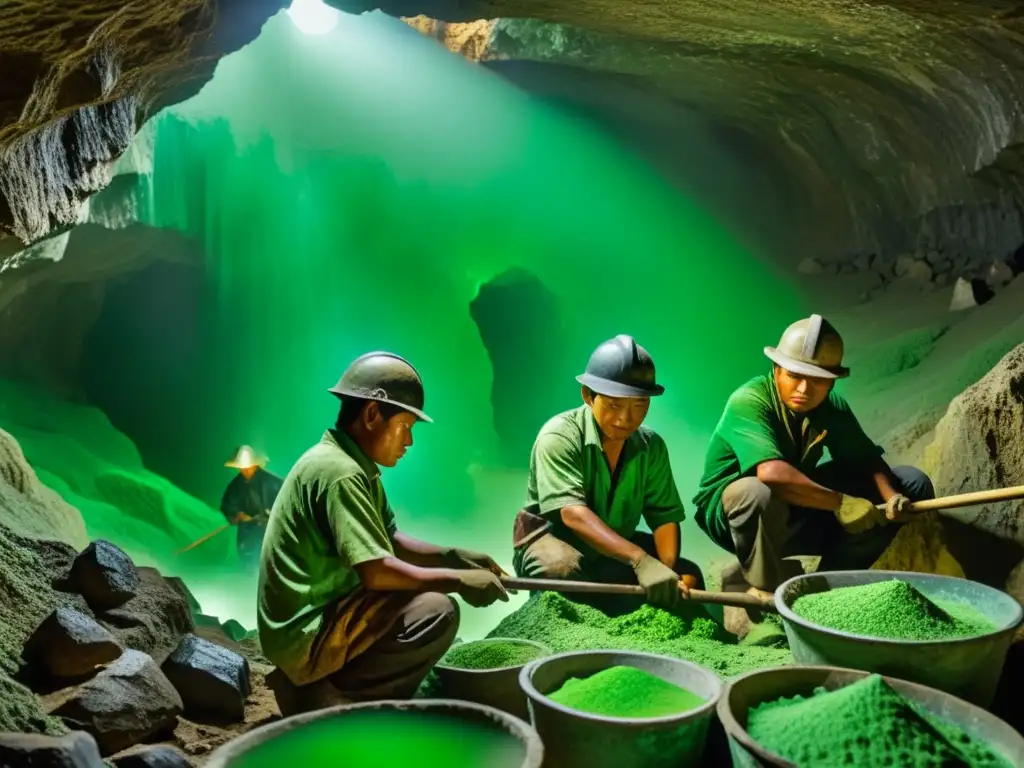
{"points": [[866, 723], [388, 739], [563, 626], [893, 610], [625, 692], [490, 655]]}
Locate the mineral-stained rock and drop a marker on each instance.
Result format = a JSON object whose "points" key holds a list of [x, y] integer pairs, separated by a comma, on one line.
{"points": [[161, 756], [154, 621], [32, 750], [129, 701], [104, 575], [978, 445], [212, 680], [233, 629], [70, 645]]}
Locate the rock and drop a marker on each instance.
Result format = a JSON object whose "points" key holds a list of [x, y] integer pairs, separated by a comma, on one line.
{"points": [[234, 630], [810, 266], [978, 446], [942, 279], [904, 264], [999, 274], [915, 271], [126, 703], [941, 266], [179, 586], [155, 620], [70, 645], [212, 680], [863, 262], [969, 293], [32, 750], [153, 757], [935, 258], [104, 575]]}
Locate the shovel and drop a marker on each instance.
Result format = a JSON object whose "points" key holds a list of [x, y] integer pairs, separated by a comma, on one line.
{"points": [[966, 499], [734, 599]]}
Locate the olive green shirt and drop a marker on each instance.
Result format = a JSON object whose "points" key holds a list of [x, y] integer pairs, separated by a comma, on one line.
{"points": [[330, 516], [568, 467], [756, 427]]}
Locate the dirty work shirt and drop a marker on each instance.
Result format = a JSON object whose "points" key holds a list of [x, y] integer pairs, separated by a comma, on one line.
{"points": [[567, 467], [331, 515], [756, 427]]}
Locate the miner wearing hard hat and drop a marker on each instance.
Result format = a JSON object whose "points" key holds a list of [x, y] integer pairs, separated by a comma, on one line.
{"points": [[595, 473], [247, 501], [767, 494], [350, 607]]}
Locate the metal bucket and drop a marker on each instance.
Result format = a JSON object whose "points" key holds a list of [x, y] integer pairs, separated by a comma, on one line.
{"points": [[748, 691], [968, 667], [282, 743], [498, 688], [581, 740]]}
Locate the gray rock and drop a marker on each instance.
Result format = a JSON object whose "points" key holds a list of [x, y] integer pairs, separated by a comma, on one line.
{"points": [[935, 258], [233, 629], [969, 293], [70, 645], [941, 266], [810, 266], [153, 757], [942, 279], [104, 575], [126, 703], [904, 263], [34, 750], [916, 271], [213, 681], [182, 589], [154, 621]]}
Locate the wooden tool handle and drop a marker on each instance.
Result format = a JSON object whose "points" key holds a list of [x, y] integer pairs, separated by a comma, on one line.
{"points": [[967, 499], [735, 599]]}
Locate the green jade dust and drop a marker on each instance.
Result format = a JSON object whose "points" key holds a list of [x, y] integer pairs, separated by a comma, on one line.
{"points": [[566, 626], [625, 692], [893, 610], [489, 654], [388, 739], [864, 724]]}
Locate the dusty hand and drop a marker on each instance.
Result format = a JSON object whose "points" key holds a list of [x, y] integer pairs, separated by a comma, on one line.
{"points": [[480, 588], [858, 515], [662, 584], [686, 583], [899, 508], [463, 559], [241, 517]]}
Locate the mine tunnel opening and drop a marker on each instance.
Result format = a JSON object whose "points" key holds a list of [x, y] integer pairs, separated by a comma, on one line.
{"points": [[523, 327]]}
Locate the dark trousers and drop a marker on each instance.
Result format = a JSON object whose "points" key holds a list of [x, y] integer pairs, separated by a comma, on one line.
{"points": [[765, 529], [549, 557]]}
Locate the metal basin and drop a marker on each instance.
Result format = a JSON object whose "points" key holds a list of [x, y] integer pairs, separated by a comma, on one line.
{"points": [[576, 739], [434, 733], [967, 667], [498, 687], [748, 691]]}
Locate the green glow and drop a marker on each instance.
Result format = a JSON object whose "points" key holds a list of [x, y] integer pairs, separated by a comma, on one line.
{"points": [[354, 189]]}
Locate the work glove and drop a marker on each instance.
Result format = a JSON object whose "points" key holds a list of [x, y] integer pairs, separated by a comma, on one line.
{"points": [[858, 515], [480, 588], [463, 559], [659, 581], [898, 508]]}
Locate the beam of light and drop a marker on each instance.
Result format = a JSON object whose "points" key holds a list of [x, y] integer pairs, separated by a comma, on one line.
{"points": [[313, 17]]}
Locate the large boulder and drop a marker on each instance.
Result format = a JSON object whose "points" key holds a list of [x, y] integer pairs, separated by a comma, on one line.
{"points": [[128, 702], [104, 575], [155, 620], [212, 680]]}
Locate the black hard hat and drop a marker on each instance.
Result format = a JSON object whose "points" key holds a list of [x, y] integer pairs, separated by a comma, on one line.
{"points": [[621, 368], [386, 378]]}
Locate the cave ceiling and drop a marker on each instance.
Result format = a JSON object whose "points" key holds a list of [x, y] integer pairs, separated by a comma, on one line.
{"points": [[877, 118]]}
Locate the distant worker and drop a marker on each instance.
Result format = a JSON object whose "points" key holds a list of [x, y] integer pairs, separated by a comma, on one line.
{"points": [[595, 472], [766, 495], [247, 501], [350, 607]]}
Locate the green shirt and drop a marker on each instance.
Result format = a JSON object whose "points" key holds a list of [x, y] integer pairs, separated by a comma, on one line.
{"points": [[755, 427], [568, 466], [330, 516]]}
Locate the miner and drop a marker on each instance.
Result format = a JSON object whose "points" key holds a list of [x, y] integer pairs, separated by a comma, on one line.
{"points": [[350, 607], [247, 501], [767, 494], [594, 474]]}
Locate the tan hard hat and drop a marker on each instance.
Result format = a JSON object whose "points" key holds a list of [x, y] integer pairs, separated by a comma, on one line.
{"points": [[810, 347], [244, 458]]}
